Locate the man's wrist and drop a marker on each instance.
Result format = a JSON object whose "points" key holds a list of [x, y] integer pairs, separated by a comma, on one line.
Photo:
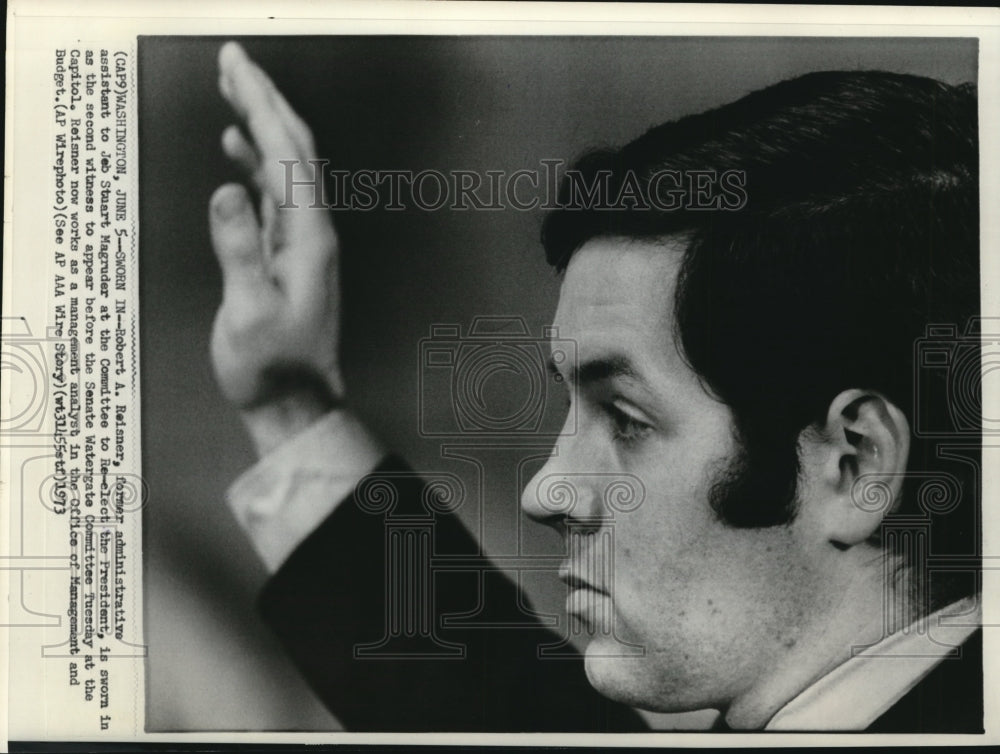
{"points": [[294, 399], [300, 481], [275, 423]]}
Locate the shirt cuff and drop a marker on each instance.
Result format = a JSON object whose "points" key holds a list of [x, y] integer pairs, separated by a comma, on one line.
{"points": [[291, 490]]}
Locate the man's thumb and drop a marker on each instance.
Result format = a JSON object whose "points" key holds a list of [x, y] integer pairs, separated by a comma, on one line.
{"points": [[236, 237]]}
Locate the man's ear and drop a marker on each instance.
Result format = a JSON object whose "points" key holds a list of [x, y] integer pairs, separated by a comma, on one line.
{"points": [[863, 452]]}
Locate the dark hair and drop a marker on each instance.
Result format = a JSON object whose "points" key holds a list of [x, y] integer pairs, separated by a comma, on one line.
{"points": [[859, 229]]}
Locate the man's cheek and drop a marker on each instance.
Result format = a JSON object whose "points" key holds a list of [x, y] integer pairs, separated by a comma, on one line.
{"points": [[642, 566]]}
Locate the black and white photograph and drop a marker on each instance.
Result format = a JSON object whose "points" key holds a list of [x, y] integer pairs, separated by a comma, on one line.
{"points": [[561, 383]]}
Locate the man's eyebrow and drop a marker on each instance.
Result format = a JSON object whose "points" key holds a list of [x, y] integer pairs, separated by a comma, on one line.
{"points": [[595, 370]]}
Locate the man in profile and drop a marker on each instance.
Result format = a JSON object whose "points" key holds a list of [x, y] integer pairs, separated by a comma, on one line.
{"points": [[752, 366]]}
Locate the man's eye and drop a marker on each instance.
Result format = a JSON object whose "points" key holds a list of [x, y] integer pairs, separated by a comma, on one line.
{"points": [[626, 428]]}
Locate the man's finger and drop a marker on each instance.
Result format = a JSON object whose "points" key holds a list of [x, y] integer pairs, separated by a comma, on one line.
{"points": [[279, 135], [297, 128], [237, 241], [241, 151], [248, 90], [232, 55]]}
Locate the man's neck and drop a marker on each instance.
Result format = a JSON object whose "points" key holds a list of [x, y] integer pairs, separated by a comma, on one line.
{"points": [[855, 616]]}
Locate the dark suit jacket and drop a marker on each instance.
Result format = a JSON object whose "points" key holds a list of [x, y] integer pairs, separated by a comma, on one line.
{"points": [[355, 608]]}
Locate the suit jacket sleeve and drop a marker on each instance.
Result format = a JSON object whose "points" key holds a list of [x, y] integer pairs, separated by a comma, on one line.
{"points": [[375, 632]]}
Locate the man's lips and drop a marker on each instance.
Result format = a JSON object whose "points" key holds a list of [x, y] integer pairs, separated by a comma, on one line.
{"points": [[584, 601], [571, 577]]}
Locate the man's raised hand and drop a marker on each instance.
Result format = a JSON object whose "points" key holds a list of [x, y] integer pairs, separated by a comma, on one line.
{"points": [[275, 342]]}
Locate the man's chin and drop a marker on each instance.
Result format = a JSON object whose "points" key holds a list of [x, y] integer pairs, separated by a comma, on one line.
{"points": [[618, 672]]}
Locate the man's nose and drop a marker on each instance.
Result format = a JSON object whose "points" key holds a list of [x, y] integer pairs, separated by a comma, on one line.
{"points": [[561, 489]]}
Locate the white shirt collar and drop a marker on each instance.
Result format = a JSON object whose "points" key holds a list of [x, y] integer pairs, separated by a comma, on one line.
{"points": [[854, 694]]}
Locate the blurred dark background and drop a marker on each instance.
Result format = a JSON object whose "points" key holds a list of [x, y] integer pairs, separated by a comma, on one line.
{"points": [[444, 103]]}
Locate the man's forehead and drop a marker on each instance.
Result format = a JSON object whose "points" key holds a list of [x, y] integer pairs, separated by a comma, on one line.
{"points": [[615, 282]]}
